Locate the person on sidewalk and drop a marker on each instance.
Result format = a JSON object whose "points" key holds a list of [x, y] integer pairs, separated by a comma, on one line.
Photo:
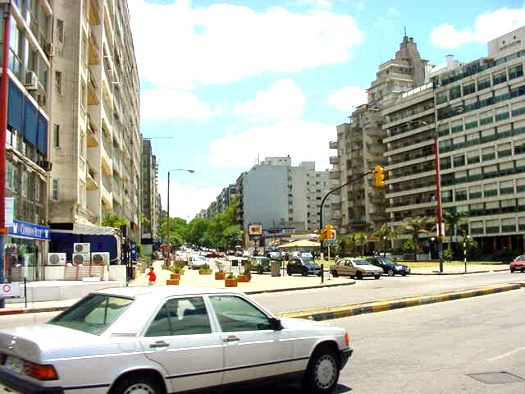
{"points": [[152, 277]]}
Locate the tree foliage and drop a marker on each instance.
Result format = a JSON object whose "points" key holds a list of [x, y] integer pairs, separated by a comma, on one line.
{"points": [[115, 221]]}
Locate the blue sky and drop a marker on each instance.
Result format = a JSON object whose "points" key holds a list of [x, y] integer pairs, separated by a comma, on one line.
{"points": [[235, 80]]}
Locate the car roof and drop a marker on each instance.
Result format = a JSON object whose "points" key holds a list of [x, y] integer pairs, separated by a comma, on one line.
{"points": [[161, 292]]}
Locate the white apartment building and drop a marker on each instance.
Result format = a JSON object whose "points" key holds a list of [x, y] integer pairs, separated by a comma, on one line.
{"points": [[360, 144], [477, 112], [277, 195], [95, 141]]}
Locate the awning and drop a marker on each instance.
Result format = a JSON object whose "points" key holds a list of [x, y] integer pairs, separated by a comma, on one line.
{"points": [[302, 243]]}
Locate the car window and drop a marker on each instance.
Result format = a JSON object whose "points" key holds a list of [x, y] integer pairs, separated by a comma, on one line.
{"points": [[180, 316], [93, 314], [236, 314], [361, 262]]}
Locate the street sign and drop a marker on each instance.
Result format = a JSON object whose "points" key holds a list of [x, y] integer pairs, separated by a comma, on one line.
{"points": [[10, 290]]}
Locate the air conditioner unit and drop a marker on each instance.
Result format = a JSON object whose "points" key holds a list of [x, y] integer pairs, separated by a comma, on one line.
{"points": [[46, 165], [100, 257], [56, 259], [50, 49], [81, 258], [31, 82], [81, 248]]}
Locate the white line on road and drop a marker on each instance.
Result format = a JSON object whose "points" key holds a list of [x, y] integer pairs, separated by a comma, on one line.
{"points": [[507, 354]]}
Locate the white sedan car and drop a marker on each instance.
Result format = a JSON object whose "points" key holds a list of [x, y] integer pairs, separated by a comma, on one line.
{"points": [[167, 340]]}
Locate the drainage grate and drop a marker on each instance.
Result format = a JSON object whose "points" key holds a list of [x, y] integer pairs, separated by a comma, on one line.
{"points": [[496, 377]]}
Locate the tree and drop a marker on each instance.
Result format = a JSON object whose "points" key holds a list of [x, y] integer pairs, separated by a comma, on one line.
{"points": [[387, 234], [115, 221], [360, 238], [452, 219], [415, 225]]}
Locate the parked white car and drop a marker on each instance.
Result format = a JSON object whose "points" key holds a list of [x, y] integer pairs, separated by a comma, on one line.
{"points": [[168, 339], [196, 261]]}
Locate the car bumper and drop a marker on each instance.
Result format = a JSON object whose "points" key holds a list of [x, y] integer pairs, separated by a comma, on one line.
{"points": [[372, 273], [18, 384], [344, 355]]}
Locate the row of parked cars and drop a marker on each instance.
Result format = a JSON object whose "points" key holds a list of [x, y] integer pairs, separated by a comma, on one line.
{"points": [[373, 266]]}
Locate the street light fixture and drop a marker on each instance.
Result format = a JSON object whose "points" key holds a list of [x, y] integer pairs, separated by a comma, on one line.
{"points": [[169, 241]]}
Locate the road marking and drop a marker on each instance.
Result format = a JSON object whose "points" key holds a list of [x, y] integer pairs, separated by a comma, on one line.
{"points": [[507, 354]]}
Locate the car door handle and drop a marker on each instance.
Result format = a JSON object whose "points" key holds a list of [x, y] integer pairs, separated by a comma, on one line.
{"points": [[231, 338], [159, 344]]}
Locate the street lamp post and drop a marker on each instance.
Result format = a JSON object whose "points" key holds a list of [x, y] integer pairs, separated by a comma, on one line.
{"points": [[168, 223]]}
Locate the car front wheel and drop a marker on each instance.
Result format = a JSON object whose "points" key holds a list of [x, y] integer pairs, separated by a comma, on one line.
{"points": [[322, 373], [137, 385], [390, 272], [511, 270], [359, 275], [335, 274], [377, 276]]}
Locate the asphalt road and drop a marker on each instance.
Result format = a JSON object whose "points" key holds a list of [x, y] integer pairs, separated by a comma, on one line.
{"points": [[369, 289]]}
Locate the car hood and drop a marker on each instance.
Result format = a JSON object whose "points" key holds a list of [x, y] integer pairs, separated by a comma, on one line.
{"points": [[299, 324], [45, 342]]}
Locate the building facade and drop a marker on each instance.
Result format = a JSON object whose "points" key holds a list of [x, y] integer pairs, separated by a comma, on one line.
{"points": [[360, 144], [27, 153], [95, 142], [150, 220], [477, 113]]}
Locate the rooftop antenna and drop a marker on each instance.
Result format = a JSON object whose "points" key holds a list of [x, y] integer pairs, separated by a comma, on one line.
{"points": [[405, 29]]}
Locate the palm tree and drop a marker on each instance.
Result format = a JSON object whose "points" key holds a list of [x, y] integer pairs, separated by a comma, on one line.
{"points": [[415, 225], [452, 219], [360, 238], [387, 234]]}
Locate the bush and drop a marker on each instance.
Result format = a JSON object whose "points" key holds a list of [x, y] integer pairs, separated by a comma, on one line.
{"points": [[505, 255], [230, 275], [205, 268]]}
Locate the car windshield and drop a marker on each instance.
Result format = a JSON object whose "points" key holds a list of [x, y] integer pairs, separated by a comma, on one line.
{"points": [[361, 262], [386, 260], [520, 258], [93, 314]]}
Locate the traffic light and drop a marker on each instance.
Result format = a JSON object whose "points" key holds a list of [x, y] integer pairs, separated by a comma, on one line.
{"points": [[464, 233], [379, 177], [322, 234]]}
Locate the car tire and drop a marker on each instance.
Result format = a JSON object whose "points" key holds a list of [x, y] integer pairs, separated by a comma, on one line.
{"points": [[139, 384], [305, 272], [403, 273], [359, 275], [335, 274], [390, 272], [322, 373], [289, 272], [377, 276], [512, 270]]}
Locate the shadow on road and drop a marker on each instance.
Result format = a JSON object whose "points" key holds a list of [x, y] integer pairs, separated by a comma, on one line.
{"points": [[285, 389]]}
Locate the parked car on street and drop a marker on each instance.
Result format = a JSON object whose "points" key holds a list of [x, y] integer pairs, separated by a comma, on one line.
{"points": [[355, 268], [196, 261], [261, 264], [518, 264], [304, 266], [389, 267], [166, 340]]}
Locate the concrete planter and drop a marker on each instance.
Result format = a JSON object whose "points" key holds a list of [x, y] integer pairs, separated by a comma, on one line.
{"points": [[220, 275], [230, 282], [175, 276], [171, 282], [243, 278]]}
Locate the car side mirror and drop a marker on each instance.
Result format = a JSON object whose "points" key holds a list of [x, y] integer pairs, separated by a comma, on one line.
{"points": [[275, 324]]}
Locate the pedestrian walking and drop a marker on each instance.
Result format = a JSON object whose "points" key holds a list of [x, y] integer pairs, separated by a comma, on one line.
{"points": [[152, 277]]}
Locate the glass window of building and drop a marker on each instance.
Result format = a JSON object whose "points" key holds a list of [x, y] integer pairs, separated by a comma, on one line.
{"points": [[483, 83], [499, 77], [516, 71], [455, 92], [474, 192], [469, 89]]}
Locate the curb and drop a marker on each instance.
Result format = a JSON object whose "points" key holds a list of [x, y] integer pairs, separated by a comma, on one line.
{"points": [[385, 305], [459, 273], [18, 311]]}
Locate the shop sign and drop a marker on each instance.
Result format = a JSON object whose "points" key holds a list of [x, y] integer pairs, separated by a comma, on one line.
{"points": [[255, 229], [10, 290], [29, 230]]}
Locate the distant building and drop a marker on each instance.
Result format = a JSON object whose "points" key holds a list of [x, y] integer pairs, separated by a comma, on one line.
{"points": [[150, 210], [223, 200]]}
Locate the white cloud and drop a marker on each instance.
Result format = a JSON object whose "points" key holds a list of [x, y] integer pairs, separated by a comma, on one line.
{"points": [[326, 4], [347, 98], [186, 201], [303, 141], [165, 104], [178, 46], [487, 27], [283, 100]]}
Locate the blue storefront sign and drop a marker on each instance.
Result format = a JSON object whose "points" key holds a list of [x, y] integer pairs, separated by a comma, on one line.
{"points": [[29, 230], [134, 251]]}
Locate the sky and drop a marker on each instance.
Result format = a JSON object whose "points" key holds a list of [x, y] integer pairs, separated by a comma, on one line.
{"points": [[227, 83]]}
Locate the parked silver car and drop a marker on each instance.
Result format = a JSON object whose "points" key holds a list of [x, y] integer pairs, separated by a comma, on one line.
{"points": [[355, 268], [168, 339]]}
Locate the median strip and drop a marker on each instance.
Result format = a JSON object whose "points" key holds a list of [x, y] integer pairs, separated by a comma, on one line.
{"points": [[396, 303]]}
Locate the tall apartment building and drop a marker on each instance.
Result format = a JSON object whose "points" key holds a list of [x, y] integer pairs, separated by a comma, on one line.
{"points": [[95, 146], [27, 154], [477, 112], [223, 200], [277, 195], [150, 200], [360, 141]]}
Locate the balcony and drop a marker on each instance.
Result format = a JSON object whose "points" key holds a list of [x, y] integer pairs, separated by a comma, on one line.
{"points": [[334, 175], [91, 184], [93, 50], [92, 140], [94, 12], [334, 160], [333, 145], [92, 90], [105, 162]]}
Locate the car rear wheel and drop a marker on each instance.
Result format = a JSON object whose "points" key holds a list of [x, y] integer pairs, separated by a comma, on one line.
{"points": [[335, 274], [137, 385], [322, 373], [511, 270], [390, 272], [305, 272], [359, 275]]}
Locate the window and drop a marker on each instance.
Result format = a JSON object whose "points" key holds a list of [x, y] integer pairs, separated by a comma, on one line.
{"points": [[455, 92], [483, 83], [93, 314], [25, 177], [56, 135], [60, 30], [237, 314], [181, 316], [499, 78], [54, 192], [36, 189], [516, 71], [58, 82], [468, 89]]}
